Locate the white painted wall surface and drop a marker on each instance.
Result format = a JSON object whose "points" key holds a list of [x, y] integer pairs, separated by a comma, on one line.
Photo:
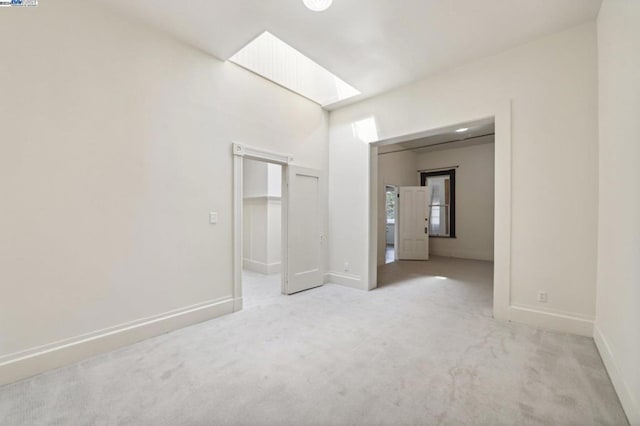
{"points": [[255, 179], [262, 237], [115, 145], [274, 232], [474, 199], [261, 179], [399, 169], [274, 173], [617, 331], [552, 83]]}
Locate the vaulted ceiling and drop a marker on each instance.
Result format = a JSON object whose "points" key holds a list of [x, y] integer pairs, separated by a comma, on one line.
{"points": [[374, 45]]}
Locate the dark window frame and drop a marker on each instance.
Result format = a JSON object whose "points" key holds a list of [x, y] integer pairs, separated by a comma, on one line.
{"points": [[452, 194]]}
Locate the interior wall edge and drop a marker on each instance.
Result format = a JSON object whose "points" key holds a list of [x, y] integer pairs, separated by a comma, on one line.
{"points": [[344, 279], [28, 363], [261, 267], [630, 404], [464, 254], [545, 320]]}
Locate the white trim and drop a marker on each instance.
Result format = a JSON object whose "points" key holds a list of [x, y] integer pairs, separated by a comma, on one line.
{"points": [[240, 152], [238, 164], [372, 217], [263, 199], [260, 154], [20, 365], [464, 254], [558, 321], [238, 304], [261, 267], [630, 405], [284, 230], [503, 193], [340, 278]]}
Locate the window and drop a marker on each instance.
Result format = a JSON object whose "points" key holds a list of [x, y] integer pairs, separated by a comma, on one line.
{"points": [[391, 204], [275, 60], [442, 220]]}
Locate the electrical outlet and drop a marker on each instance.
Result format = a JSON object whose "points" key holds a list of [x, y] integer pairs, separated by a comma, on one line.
{"points": [[542, 297], [213, 218], [346, 266]]}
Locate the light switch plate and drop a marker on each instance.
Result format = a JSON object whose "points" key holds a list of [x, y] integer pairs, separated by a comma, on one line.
{"points": [[543, 297], [213, 218]]}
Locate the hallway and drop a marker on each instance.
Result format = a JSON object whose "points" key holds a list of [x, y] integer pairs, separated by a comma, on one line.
{"points": [[258, 289]]}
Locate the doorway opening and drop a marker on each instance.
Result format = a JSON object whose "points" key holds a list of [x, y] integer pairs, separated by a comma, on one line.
{"points": [[264, 161], [391, 199], [436, 204], [299, 210], [261, 231]]}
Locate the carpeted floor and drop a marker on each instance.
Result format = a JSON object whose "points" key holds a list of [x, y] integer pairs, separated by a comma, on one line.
{"points": [[259, 289], [422, 349]]}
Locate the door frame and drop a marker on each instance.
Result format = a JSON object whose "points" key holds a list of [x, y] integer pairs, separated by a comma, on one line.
{"points": [[240, 152], [501, 114]]}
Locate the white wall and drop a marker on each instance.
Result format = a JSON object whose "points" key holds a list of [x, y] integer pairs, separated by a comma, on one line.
{"points": [[552, 84], [255, 179], [115, 145], [261, 179], [474, 199], [617, 331], [262, 216], [399, 169], [274, 174]]}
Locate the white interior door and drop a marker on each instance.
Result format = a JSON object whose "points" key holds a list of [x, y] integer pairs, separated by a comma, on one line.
{"points": [[304, 230], [413, 227]]}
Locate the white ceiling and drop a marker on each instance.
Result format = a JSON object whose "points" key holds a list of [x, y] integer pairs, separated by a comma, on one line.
{"points": [[478, 132], [374, 45]]}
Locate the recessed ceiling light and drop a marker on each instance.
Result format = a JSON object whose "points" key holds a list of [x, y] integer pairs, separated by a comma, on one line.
{"points": [[463, 129], [317, 5]]}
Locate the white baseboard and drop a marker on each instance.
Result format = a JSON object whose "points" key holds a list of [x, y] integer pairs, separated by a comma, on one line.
{"points": [[238, 304], [562, 322], [630, 404], [464, 254], [261, 267], [347, 280], [20, 365]]}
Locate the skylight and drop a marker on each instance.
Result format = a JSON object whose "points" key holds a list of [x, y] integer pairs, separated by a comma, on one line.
{"points": [[275, 60]]}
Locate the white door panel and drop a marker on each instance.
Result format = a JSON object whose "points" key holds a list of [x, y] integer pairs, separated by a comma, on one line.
{"points": [[304, 233], [413, 226]]}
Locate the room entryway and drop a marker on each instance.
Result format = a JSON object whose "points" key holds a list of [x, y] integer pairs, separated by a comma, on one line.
{"points": [[260, 289], [278, 226], [436, 200], [391, 198], [261, 231]]}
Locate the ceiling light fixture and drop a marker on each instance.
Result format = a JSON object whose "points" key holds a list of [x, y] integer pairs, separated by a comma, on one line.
{"points": [[317, 5], [463, 129]]}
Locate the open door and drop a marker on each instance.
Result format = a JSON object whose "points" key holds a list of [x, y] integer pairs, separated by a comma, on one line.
{"points": [[304, 237], [413, 227]]}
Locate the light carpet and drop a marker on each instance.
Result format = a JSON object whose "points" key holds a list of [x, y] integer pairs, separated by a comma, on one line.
{"points": [[421, 349]]}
